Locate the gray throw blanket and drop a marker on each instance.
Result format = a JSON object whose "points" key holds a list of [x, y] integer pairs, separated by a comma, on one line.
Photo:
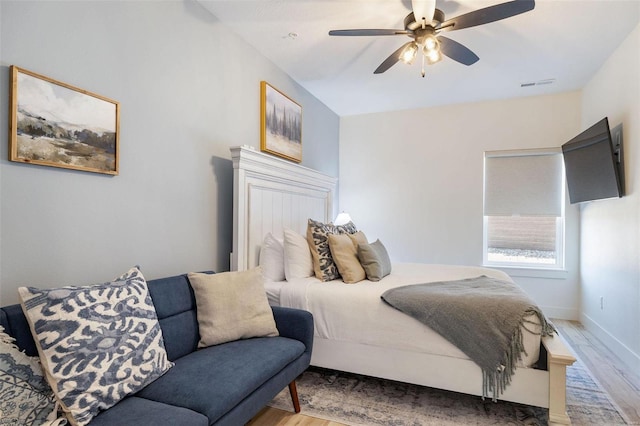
{"points": [[482, 316]]}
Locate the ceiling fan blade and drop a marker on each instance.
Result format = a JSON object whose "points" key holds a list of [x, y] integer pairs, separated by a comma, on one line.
{"points": [[488, 14], [368, 32], [391, 60], [457, 51]]}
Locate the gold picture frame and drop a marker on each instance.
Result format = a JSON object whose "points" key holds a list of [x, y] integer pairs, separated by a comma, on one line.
{"points": [[280, 124], [55, 124]]}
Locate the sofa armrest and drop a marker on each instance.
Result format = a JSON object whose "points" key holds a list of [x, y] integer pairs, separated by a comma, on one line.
{"points": [[295, 324], [15, 325]]}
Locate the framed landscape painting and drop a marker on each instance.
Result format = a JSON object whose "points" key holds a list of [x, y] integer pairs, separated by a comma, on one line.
{"points": [[55, 124], [280, 124]]}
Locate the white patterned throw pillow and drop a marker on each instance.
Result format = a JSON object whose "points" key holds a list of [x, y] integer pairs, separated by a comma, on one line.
{"points": [[25, 397], [98, 343]]}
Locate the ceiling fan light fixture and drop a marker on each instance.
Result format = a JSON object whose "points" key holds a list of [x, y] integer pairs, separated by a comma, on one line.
{"points": [[433, 56], [431, 43], [431, 50], [409, 53]]}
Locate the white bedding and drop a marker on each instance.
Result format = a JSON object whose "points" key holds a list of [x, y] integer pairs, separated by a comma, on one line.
{"points": [[355, 312], [273, 291]]}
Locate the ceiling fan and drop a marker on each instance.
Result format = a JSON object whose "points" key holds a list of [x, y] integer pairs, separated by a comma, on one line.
{"points": [[424, 25]]}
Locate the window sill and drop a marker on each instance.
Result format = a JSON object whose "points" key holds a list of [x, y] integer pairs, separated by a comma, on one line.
{"points": [[531, 272]]}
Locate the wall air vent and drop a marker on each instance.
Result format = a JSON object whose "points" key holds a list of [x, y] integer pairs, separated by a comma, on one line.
{"points": [[538, 83]]}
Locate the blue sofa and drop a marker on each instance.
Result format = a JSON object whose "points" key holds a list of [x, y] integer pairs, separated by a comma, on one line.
{"points": [[227, 384]]}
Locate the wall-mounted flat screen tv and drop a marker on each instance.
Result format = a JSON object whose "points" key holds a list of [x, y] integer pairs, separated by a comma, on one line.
{"points": [[593, 163]]}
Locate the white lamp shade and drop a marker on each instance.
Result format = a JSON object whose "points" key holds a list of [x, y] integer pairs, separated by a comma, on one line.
{"points": [[342, 219]]}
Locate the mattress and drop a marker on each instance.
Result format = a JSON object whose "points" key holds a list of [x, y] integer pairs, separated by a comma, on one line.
{"points": [[355, 312]]}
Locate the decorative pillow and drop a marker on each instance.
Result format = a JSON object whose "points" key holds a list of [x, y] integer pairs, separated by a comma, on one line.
{"points": [[97, 344], [25, 396], [232, 306], [297, 257], [272, 258], [324, 267], [347, 228], [344, 250], [375, 260]]}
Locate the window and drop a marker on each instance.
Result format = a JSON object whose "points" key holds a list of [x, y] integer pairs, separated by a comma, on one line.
{"points": [[524, 208]]}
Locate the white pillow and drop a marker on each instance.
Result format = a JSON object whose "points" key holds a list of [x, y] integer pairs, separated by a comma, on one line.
{"points": [[272, 258], [297, 256]]}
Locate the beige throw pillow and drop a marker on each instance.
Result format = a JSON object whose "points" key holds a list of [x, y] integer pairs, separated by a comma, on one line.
{"points": [[318, 233], [231, 306], [344, 250]]}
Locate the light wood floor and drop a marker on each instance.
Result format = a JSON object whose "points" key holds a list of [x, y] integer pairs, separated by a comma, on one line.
{"points": [[622, 384], [275, 417]]}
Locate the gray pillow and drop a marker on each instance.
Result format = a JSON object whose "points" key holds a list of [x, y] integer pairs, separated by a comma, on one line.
{"points": [[375, 260]]}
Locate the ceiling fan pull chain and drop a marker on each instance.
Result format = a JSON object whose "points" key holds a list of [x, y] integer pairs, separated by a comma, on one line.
{"points": [[422, 72]]}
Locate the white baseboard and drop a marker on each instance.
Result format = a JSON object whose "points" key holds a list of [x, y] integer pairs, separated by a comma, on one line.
{"points": [[631, 359]]}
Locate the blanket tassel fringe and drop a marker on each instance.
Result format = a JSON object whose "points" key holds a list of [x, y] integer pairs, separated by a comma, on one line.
{"points": [[495, 381]]}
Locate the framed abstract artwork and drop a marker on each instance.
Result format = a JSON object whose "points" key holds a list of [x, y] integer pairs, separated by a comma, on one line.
{"points": [[58, 125], [280, 124]]}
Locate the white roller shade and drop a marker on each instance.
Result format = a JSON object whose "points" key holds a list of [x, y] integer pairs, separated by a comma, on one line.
{"points": [[526, 183]]}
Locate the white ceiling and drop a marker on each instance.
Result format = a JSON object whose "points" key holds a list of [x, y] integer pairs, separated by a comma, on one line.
{"points": [[565, 40]]}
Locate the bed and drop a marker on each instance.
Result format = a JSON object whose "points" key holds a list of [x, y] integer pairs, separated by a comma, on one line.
{"points": [[271, 195]]}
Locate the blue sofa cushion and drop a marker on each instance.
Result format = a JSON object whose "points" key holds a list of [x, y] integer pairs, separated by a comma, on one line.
{"points": [[176, 308], [143, 412], [213, 380]]}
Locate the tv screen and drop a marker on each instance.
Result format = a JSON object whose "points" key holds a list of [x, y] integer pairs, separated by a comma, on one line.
{"points": [[592, 164]]}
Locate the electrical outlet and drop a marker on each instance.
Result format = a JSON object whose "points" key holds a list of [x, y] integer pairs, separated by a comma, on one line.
{"points": [[602, 303]]}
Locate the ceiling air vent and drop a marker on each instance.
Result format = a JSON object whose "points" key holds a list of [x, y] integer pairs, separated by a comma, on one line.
{"points": [[538, 83]]}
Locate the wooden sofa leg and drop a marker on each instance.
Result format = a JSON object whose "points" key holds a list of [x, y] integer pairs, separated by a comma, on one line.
{"points": [[294, 396]]}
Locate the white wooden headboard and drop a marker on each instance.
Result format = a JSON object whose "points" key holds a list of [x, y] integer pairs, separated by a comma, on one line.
{"points": [[270, 194]]}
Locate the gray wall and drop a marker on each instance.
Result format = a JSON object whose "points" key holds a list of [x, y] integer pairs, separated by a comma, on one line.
{"points": [[189, 89]]}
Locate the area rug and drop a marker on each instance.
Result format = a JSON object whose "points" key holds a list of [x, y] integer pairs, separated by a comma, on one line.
{"points": [[358, 400]]}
